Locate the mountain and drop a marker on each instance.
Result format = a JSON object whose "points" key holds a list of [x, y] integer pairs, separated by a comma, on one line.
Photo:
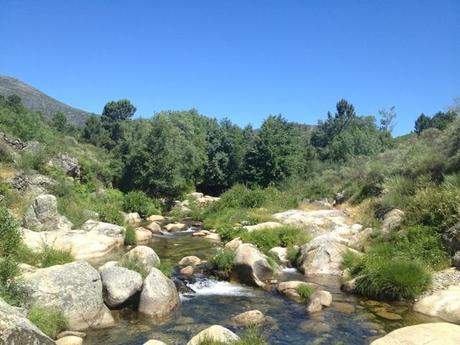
{"points": [[38, 101]]}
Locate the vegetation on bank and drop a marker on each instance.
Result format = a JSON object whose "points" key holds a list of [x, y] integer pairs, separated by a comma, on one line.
{"points": [[51, 321]]}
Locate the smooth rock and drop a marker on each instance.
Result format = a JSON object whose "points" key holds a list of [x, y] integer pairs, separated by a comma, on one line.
{"points": [[444, 304], [143, 234], [75, 289], [392, 220], [280, 254], [156, 218], [173, 227], [314, 305], [154, 228], [69, 340], [345, 308], [154, 342], [132, 218], [159, 296], [190, 261], [119, 284], [233, 244], [249, 318], [324, 297], [186, 271], [43, 215], [439, 333], [262, 226], [214, 333], [387, 315], [144, 255], [251, 267], [68, 333], [290, 288]]}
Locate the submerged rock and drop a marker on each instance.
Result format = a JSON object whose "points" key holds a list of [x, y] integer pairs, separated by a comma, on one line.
{"points": [[251, 267], [15, 328], [444, 304], [159, 296], [440, 333], [75, 289], [214, 333], [119, 284], [249, 318]]}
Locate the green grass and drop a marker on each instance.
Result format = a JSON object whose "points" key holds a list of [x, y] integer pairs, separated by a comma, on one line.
{"points": [[134, 264], [305, 292], [130, 236], [283, 236], [251, 337], [223, 261], [46, 258], [50, 320], [293, 254], [166, 268]]}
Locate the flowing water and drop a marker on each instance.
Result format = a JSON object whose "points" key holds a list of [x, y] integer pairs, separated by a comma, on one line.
{"points": [[350, 320]]}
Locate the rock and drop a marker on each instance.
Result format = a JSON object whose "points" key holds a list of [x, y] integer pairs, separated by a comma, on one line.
{"points": [[69, 333], [233, 244], [16, 329], [392, 220], [132, 218], [143, 234], [154, 228], [444, 304], [249, 318], [109, 264], [349, 286], [119, 284], [315, 327], [314, 305], [70, 340], [251, 267], [280, 254], [323, 255], [173, 227], [207, 234], [451, 238], [156, 218], [145, 255], [214, 333], [43, 215], [324, 297], [387, 315], [69, 165], [154, 342], [266, 225], [289, 289], [207, 199], [195, 195], [345, 308], [75, 289], [186, 271], [190, 261], [456, 259], [159, 296], [439, 333]]}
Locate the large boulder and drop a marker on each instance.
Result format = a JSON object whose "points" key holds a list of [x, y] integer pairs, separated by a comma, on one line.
{"points": [[444, 304], [132, 218], [251, 267], [173, 227], [392, 220], [290, 289], [119, 284], [280, 254], [214, 333], [144, 255], [159, 296], [43, 215], [439, 333], [67, 164], [16, 329], [143, 235], [75, 289]]}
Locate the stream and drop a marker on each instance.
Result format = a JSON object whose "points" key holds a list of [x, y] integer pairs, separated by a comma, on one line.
{"points": [[350, 320]]}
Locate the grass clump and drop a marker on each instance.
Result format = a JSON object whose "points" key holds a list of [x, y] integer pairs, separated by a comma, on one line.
{"points": [[283, 236], [51, 257], [223, 261], [50, 320], [166, 268], [252, 336], [305, 291], [134, 264], [293, 254], [130, 236]]}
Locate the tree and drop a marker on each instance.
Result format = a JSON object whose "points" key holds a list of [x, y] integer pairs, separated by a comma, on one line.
{"points": [[59, 121], [94, 132], [387, 119], [119, 110], [423, 122], [441, 119]]}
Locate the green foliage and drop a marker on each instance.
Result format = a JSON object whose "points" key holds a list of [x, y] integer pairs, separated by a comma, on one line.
{"points": [[223, 261], [130, 236], [10, 238], [166, 268], [283, 236], [51, 257], [305, 291], [440, 120], [50, 320], [139, 202], [59, 121], [134, 264], [293, 253], [353, 262], [252, 337]]}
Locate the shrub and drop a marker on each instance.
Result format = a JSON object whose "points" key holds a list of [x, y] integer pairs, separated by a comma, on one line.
{"points": [[110, 213], [223, 261], [134, 264], [228, 232], [166, 268], [398, 191], [353, 262], [305, 291], [139, 202], [130, 236], [50, 320], [10, 237]]}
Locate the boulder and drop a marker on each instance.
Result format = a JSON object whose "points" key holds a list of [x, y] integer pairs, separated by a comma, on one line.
{"points": [[67, 164], [280, 254], [42, 215], [323, 296], [439, 333], [251, 267], [214, 333], [314, 306], [159, 296], [392, 220], [173, 227], [233, 244], [249, 318], [132, 218], [154, 342], [154, 228], [444, 304], [145, 255], [289, 289], [261, 226], [119, 284], [75, 289], [190, 261], [209, 235], [143, 234], [195, 195], [69, 340], [186, 271], [16, 329], [156, 218]]}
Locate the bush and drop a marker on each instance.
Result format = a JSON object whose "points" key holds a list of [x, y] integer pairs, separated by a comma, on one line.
{"points": [[10, 238], [50, 320], [110, 214], [139, 202], [130, 236], [305, 291], [398, 190], [223, 261], [134, 264]]}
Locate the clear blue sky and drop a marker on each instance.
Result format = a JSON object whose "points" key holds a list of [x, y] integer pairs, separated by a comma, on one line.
{"points": [[240, 59]]}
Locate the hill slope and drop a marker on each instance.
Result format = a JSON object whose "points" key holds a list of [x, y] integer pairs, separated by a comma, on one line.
{"points": [[38, 101]]}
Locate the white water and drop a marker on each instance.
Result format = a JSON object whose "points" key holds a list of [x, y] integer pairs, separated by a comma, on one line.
{"points": [[289, 270], [209, 287]]}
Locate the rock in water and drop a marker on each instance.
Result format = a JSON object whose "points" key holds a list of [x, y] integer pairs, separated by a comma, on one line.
{"points": [[250, 266], [16, 329], [119, 284], [214, 333], [75, 289], [249, 318], [444, 304], [440, 333], [190, 261], [159, 296]]}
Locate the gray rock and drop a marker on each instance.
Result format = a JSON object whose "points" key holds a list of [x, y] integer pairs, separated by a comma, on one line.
{"points": [[145, 255], [43, 215], [251, 267], [392, 220], [249, 318], [119, 284], [456, 259], [159, 296], [451, 238], [75, 289], [16, 329], [69, 165], [214, 333]]}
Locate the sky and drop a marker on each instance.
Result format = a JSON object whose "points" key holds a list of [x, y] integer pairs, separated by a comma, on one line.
{"points": [[240, 59]]}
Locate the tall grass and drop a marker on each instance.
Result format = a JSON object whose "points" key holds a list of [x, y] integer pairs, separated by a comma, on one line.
{"points": [[50, 320]]}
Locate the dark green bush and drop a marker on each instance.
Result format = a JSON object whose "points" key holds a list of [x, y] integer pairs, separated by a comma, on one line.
{"points": [[110, 213], [139, 202], [223, 261], [49, 319]]}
